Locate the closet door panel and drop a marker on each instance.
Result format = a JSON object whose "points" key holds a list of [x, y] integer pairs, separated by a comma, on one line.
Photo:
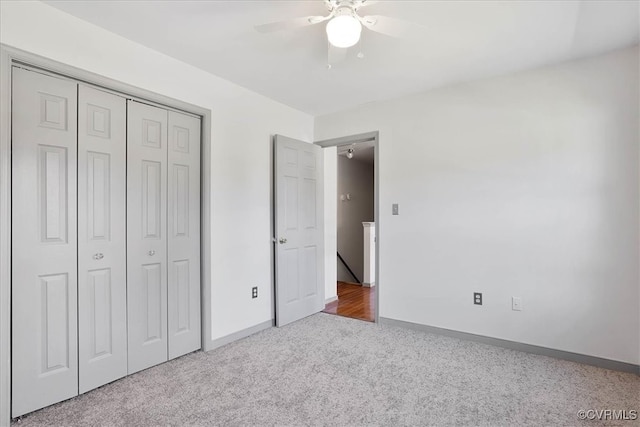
{"points": [[184, 234], [44, 241], [146, 235], [102, 286]]}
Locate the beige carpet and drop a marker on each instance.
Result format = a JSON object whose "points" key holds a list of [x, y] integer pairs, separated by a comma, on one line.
{"points": [[329, 370]]}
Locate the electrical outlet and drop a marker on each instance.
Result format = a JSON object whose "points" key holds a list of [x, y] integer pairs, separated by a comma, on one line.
{"points": [[477, 298], [516, 303], [254, 292]]}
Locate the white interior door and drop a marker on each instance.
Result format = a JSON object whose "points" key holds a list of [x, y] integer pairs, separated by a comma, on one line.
{"points": [[102, 285], [146, 235], [299, 225], [44, 241], [183, 234]]}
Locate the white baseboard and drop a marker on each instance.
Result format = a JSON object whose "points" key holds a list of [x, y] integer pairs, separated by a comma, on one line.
{"points": [[228, 339], [329, 300], [614, 365]]}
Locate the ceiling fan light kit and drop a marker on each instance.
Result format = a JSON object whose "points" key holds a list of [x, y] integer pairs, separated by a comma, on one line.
{"points": [[344, 30], [344, 25]]}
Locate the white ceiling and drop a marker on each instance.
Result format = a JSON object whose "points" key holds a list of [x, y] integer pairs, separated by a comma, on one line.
{"points": [[461, 41]]}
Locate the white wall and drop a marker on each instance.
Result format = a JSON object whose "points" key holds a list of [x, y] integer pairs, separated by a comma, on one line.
{"points": [[524, 185], [241, 127], [355, 178]]}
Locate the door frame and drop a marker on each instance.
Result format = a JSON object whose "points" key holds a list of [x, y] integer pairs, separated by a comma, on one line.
{"points": [[10, 56], [374, 137]]}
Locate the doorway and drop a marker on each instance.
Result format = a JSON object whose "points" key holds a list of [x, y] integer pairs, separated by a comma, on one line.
{"points": [[351, 184]]}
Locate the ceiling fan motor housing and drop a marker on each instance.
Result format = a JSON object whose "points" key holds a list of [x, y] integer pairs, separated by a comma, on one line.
{"points": [[351, 4]]}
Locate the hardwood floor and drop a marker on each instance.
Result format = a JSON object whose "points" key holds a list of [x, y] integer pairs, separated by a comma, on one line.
{"points": [[355, 301]]}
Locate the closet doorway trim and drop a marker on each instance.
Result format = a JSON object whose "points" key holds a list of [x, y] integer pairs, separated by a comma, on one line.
{"points": [[9, 57]]}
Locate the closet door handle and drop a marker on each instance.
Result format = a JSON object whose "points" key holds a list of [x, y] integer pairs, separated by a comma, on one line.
{"points": [[152, 253], [98, 256]]}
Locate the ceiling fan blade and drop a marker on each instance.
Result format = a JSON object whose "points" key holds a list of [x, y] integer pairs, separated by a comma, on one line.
{"points": [[336, 55], [367, 3], [394, 27], [290, 24]]}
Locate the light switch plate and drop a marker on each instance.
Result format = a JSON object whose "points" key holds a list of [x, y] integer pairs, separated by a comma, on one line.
{"points": [[394, 209], [516, 304]]}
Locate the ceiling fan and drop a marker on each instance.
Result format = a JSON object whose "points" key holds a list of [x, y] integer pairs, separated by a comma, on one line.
{"points": [[345, 25]]}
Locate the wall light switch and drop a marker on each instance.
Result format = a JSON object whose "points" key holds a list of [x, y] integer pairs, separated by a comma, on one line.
{"points": [[516, 303], [394, 209]]}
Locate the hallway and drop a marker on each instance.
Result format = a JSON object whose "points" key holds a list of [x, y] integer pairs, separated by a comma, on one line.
{"points": [[355, 301]]}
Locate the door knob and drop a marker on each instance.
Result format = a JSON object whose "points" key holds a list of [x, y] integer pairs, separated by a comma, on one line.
{"points": [[152, 253], [283, 240], [98, 256]]}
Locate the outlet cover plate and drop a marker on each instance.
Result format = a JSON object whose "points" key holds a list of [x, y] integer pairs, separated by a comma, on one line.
{"points": [[477, 298]]}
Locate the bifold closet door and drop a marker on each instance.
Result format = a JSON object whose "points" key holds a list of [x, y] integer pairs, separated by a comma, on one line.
{"points": [[146, 235], [184, 234], [102, 286], [44, 241]]}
